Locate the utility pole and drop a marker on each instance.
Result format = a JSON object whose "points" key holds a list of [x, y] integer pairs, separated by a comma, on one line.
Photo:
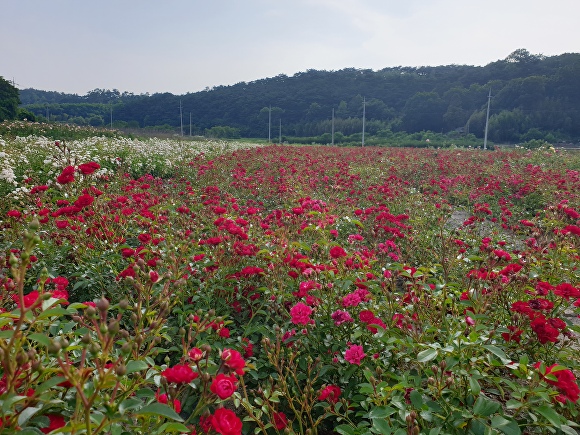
{"points": [[487, 120], [181, 117], [269, 124], [332, 134], [363, 130], [111, 107], [280, 133], [189, 124]]}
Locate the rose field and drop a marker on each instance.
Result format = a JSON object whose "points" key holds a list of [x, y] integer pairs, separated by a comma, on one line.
{"points": [[174, 286]]}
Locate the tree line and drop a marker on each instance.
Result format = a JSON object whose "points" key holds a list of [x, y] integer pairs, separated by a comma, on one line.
{"points": [[533, 97]]}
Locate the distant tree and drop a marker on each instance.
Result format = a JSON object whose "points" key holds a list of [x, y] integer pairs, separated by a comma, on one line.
{"points": [[314, 111], [424, 111], [9, 100], [25, 115], [342, 110]]}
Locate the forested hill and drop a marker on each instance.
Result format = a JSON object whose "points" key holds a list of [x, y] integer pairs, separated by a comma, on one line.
{"points": [[533, 96]]}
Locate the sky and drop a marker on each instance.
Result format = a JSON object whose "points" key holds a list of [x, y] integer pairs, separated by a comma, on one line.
{"points": [[183, 46]]}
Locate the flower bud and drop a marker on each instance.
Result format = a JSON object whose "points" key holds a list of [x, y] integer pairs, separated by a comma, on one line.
{"points": [[53, 347], [86, 339], [121, 370], [103, 304], [34, 224], [126, 348], [90, 311], [13, 260], [113, 327], [36, 366], [21, 358], [94, 348]]}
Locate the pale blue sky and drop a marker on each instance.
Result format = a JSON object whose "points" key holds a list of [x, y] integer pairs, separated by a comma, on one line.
{"points": [[182, 46]]}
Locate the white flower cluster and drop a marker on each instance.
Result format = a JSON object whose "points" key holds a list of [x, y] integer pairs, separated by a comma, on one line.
{"points": [[40, 158]]}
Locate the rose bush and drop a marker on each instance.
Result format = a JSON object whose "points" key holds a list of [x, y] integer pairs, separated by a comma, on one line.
{"points": [[292, 289]]}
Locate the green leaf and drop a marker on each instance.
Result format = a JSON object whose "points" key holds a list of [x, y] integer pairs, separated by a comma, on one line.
{"points": [[345, 429], [485, 407], [7, 334], [474, 386], [497, 352], [129, 404], [30, 431], [39, 338], [508, 427], [47, 385], [174, 427], [416, 399], [550, 415], [161, 410], [58, 311], [381, 425], [382, 412], [26, 414], [427, 355], [136, 366], [568, 430], [513, 404]]}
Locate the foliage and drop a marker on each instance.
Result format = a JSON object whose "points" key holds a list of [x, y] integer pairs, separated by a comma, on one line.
{"points": [[9, 100], [283, 289], [529, 91]]}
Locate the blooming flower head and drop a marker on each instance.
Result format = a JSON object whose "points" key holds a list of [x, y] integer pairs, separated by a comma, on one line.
{"points": [[330, 393], [55, 421], [301, 314], [162, 398], [337, 252], [233, 360], [354, 354], [565, 382], [66, 176], [341, 317], [88, 168], [224, 386], [179, 374], [226, 422], [29, 299], [279, 420]]}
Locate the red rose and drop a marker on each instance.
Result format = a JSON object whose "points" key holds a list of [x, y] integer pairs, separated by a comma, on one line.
{"points": [[331, 393], [224, 386], [279, 420], [337, 252], [565, 382], [301, 314], [179, 374], [226, 422], [14, 213], [55, 421], [196, 354], [29, 299], [84, 201], [162, 398], [66, 176], [89, 168], [233, 360]]}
